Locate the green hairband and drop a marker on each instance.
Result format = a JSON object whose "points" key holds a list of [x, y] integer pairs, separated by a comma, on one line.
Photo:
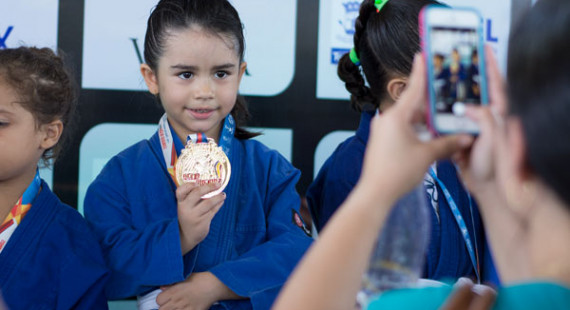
{"points": [[353, 57], [379, 4]]}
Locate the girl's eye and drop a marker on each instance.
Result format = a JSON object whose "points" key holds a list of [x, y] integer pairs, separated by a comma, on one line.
{"points": [[221, 74], [3, 124], [186, 75]]}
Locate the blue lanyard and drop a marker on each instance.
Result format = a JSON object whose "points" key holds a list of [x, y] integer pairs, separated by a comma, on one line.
{"points": [[227, 135], [32, 190], [460, 222]]}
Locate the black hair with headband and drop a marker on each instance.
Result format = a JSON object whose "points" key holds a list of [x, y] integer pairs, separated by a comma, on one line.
{"points": [[385, 42]]}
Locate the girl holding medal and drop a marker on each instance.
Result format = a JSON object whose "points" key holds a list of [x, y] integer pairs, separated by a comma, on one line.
{"points": [[49, 258], [385, 40], [232, 250]]}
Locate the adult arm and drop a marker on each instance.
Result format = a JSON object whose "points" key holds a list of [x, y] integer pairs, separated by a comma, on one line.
{"points": [[395, 161], [479, 173]]}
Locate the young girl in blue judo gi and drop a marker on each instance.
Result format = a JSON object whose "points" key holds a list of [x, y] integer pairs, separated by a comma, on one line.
{"points": [[49, 258], [233, 250], [385, 40]]}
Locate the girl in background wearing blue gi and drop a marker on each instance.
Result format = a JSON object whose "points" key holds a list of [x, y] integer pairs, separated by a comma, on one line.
{"points": [[232, 251], [49, 258], [385, 40]]}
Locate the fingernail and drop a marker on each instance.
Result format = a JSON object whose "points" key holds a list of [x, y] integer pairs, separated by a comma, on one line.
{"points": [[463, 282], [480, 289]]}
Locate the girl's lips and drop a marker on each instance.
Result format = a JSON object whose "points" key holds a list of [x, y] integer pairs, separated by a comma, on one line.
{"points": [[201, 113]]}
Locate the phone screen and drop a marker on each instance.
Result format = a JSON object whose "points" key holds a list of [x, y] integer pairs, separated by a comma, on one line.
{"points": [[456, 80]]}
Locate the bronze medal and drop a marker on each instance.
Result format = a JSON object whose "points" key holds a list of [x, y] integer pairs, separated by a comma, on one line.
{"points": [[203, 163]]}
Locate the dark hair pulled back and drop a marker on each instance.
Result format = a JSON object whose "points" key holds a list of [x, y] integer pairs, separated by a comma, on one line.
{"points": [[538, 77], [44, 86], [218, 17], [385, 42]]}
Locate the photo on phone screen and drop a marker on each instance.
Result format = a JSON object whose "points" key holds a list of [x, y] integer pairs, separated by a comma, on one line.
{"points": [[452, 47], [456, 68]]}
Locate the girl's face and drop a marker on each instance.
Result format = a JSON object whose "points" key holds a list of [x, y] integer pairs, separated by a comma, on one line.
{"points": [[197, 79], [21, 141]]}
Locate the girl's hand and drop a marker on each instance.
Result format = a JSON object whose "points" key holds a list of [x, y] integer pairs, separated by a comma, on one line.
{"points": [[199, 291], [478, 164], [196, 292], [396, 160], [195, 214]]}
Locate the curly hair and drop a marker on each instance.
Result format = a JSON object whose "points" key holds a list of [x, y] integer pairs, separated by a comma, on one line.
{"points": [[45, 88]]}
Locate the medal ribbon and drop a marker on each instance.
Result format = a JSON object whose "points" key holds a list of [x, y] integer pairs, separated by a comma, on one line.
{"points": [[197, 138], [473, 253], [19, 210], [169, 149]]}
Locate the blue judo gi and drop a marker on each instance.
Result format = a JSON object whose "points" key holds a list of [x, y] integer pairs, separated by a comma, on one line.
{"points": [[447, 256], [253, 243], [53, 260]]}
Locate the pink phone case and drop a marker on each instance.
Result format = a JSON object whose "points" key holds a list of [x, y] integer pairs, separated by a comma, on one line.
{"points": [[425, 45], [423, 40]]}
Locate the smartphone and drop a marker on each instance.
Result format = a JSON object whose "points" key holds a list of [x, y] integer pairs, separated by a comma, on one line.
{"points": [[452, 43]]}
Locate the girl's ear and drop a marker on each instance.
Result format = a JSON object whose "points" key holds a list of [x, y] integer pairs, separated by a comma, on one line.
{"points": [[242, 68], [51, 134], [395, 88], [150, 79]]}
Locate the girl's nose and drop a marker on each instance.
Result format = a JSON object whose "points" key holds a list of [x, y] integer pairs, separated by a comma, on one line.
{"points": [[204, 89]]}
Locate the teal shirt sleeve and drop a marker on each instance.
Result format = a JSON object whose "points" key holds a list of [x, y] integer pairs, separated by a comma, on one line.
{"points": [[427, 298], [543, 295], [538, 295]]}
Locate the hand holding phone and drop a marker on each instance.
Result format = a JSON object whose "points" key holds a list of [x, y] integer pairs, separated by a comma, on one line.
{"points": [[452, 43]]}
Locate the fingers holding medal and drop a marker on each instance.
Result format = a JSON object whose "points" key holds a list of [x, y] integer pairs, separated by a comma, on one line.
{"points": [[202, 164]]}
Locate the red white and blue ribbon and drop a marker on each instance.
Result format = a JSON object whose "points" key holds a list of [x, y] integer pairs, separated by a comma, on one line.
{"points": [[169, 149], [19, 210]]}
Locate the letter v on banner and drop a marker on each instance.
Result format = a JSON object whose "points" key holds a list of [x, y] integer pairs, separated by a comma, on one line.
{"points": [[4, 38], [137, 50]]}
